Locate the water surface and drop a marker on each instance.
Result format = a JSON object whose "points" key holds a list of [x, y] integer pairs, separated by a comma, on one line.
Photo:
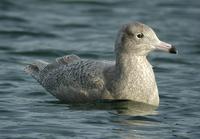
{"points": [[35, 29]]}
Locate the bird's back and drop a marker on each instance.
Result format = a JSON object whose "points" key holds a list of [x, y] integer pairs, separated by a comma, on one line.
{"points": [[80, 80]]}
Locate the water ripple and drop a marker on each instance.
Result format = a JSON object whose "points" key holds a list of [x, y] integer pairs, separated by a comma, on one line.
{"points": [[12, 19], [57, 53], [72, 25], [6, 48], [88, 2], [18, 33]]}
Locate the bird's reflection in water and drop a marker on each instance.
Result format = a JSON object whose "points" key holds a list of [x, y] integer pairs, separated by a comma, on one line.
{"points": [[122, 111], [125, 117], [120, 107]]}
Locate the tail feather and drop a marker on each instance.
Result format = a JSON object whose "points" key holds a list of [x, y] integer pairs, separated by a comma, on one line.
{"points": [[35, 68]]}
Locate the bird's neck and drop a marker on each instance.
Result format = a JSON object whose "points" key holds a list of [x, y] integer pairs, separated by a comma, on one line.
{"points": [[135, 79], [128, 64]]}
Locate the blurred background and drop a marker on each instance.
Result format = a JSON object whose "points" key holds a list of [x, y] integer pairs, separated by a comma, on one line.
{"points": [[46, 29]]}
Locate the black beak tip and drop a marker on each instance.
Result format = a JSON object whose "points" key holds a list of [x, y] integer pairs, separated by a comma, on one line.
{"points": [[173, 50]]}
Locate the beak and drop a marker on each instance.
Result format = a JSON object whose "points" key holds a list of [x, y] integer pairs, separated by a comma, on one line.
{"points": [[163, 46]]}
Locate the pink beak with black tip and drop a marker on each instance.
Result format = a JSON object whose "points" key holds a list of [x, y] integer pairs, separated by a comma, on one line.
{"points": [[163, 46]]}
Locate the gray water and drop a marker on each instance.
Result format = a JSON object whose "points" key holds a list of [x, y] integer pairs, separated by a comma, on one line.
{"points": [[46, 29]]}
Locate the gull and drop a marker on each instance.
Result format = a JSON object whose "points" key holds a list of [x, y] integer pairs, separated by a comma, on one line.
{"points": [[72, 79]]}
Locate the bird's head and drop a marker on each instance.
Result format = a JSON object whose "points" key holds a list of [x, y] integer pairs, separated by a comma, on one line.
{"points": [[139, 39]]}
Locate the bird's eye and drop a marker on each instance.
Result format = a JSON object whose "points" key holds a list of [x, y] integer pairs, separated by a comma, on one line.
{"points": [[140, 35]]}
